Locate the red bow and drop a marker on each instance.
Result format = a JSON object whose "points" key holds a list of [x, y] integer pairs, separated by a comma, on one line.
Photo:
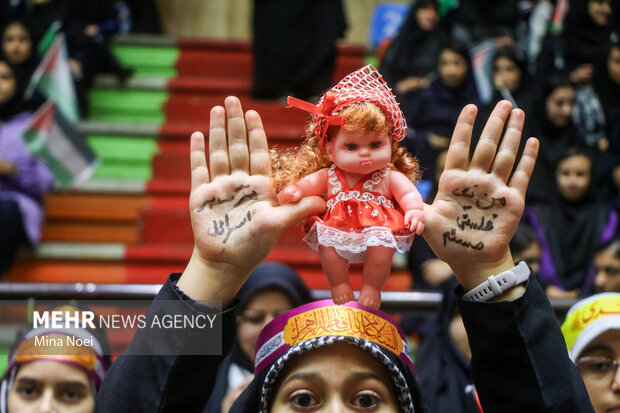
{"points": [[322, 111]]}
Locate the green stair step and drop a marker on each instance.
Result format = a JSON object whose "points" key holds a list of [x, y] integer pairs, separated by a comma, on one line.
{"points": [[149, 61], [124, 157], [128, 106]]}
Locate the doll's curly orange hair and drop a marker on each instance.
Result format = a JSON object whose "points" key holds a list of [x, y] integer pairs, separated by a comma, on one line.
{"points": [[290, 166]]}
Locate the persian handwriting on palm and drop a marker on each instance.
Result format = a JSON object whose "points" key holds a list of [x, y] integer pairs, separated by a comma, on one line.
{"points": [[479, 203]]}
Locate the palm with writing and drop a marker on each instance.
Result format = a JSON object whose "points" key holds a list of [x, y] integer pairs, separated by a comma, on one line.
{"points": [[234, 220], [477, 208]]}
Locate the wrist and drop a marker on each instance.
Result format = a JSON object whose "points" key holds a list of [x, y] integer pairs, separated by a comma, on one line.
{"points": [[506, 285], [205, 280], [472, 275]]}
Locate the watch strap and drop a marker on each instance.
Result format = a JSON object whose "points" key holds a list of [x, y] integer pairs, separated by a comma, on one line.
{"points": [[496, 285]]}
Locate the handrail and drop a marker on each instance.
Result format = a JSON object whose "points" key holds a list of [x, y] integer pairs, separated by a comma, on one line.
{"points": [[418, 302]]}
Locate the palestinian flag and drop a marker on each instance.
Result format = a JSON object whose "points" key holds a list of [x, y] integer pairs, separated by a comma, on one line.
{"points": [[56, 141], [53, 78]]}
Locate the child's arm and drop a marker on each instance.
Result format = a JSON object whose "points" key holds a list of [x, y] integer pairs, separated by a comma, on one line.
{"points": [[314, 184], [410, 201]]}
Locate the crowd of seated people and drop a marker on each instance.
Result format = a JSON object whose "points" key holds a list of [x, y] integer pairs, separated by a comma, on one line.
{"points": [[569, 90]]}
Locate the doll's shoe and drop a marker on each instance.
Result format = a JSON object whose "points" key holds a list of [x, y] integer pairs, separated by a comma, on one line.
{"points": [[370, 297], [342, 293]]}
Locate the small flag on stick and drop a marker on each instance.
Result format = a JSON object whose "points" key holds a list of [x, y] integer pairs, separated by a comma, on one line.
{"points": [[53, 78], [56, 141]]}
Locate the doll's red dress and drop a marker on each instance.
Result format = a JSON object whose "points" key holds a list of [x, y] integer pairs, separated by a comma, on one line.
{"points": [[357, 218]]}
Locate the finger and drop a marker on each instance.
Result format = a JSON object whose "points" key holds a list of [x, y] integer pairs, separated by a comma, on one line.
{"points": [[458, 151], [237, 139], [290, 214], [420, 228], [260, 162], [505, 158], [218, 153], [487, 145], [197, 160], [524, 170]]}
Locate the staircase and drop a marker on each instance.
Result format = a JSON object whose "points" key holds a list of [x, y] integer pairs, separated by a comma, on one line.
{"points": [[130, 223]]}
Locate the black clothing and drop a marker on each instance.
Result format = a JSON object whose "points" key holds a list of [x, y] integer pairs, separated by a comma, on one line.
{"points": [[414, 52], [295, 46], [444, 373], [520, 364], [13, 233]]}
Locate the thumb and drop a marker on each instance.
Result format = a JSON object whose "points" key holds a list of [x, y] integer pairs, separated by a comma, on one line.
{"points": [[307, 206]]}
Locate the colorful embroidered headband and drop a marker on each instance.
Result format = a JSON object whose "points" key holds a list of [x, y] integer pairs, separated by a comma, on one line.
{"points": [[363, 85], [590, 318], [323, 319]]}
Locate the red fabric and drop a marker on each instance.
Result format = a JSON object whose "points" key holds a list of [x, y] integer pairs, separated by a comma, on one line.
{"points": [[354, 214]]}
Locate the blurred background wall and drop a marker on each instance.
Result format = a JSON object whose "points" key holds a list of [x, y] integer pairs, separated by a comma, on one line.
{"points": [[231, 19]]}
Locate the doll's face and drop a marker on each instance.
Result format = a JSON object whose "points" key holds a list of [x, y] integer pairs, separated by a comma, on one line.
{"points": [[573, 177], [16, 43], [359, 152]]}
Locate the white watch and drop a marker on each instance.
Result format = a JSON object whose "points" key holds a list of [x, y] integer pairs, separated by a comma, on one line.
{"points": [[495, 285]]}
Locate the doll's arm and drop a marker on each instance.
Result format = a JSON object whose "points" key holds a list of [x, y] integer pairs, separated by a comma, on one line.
{"points": [[314, 184], [410, 201]]}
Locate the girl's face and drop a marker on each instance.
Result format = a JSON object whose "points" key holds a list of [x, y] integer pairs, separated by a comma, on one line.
{"points": [[262, 308], [600, 11], [607, 267], [51, 386], [507, 74], [340, 378], [427, 17], [603, 387], [16, 43], [613, 64], [7, 83], [559, 106], [452, 68], [573, 177], [359, 152]]}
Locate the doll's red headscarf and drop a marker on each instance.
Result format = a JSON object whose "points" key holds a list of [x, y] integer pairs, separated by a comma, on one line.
{"points": [[363, 85]]}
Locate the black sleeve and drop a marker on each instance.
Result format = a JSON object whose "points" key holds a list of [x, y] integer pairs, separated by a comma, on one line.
{"points": [[166, 383], [519, 358]]}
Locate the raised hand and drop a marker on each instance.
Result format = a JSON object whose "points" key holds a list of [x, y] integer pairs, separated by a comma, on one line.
{"points": [[477, 209], [234, 220]]}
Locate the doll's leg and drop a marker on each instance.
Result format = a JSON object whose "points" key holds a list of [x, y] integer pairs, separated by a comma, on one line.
{"points": [[336, 269], [376, 271]]}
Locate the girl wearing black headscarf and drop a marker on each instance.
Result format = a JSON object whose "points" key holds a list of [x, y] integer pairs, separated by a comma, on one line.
{"points": [[19, 48], [272, 289], [431, 116], [571, 226], [410, 63], [550, 120]]}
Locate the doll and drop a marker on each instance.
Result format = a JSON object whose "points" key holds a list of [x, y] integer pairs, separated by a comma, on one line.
{"points": [[352, 157]]}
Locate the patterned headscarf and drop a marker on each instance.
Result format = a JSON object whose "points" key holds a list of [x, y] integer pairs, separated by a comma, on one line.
{"points": [[363, 85], [322, 323]]}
